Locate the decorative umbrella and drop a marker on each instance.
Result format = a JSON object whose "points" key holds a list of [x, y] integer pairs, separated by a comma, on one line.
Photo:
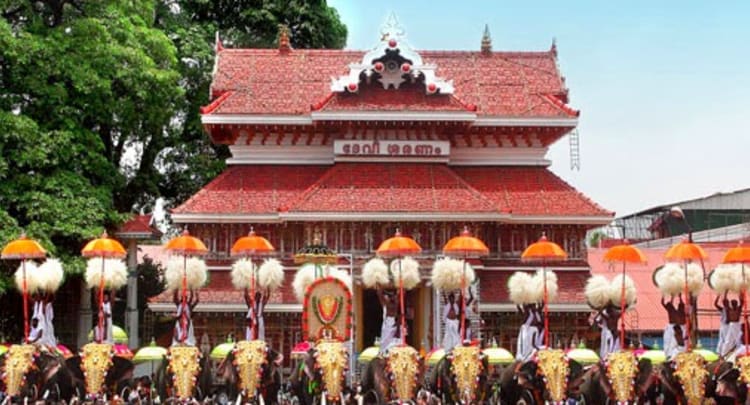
{"points": [[301, 349], [544, 250], [3, 349], [434, 356], [119, 336], [707, 355], [686, 252], [221, 351], [122, 350], [317, 253], [152, 352], [24, 249], [624, 254], [741, 254], [583, 355], [185, 245], [64, 351], [368, 354], [655, 355], [103, 247], [397, 247], [248, 247], [467, 246], [498, 355]]}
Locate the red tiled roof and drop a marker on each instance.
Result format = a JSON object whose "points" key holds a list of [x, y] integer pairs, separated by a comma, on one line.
{"points": [[494, 286], [381, 187], [252, 189], [507, 84], [409, 97], [526, 190], [651, 316], [389, 187], [138, 225]]}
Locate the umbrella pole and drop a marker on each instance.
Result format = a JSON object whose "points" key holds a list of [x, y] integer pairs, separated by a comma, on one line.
{"points": [[545, 300], [25, 294], [183, 316], [100, 323], [401, 299], [687, 309], [252, 301], [463, 302], [622, 309]]}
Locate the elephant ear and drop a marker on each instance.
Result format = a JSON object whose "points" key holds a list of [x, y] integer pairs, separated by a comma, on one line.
{"points": [[120, 368], [731, 375]]}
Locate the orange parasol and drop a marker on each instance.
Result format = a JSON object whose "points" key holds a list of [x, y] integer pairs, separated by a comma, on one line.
{"points": [[252, 245], [398, 246], [624, 253], [544, 250], [185, 245], [24, 249], [247, 246], [741, 254], [467, 246], [103, 246], [686, 251]]}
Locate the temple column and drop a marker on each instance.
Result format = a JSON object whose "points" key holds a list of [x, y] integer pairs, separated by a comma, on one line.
{"points": [[85, 320], [131, 312]]}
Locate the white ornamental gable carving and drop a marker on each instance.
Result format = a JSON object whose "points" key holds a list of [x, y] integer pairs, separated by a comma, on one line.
{"points": [[392, 62]]}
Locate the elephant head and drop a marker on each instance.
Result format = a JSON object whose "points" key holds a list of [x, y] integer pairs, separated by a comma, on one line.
{"points": [[461, 376], [19, 361], [404, 367], [184, 365], [551, 377], [30, 372], [252, 367], [687, 377], [331, 361], [98, 371]]}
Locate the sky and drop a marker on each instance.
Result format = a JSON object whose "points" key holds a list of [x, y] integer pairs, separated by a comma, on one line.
{"points": [[663, 86]]}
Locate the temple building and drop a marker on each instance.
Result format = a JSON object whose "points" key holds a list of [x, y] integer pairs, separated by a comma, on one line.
{"points": [[351, 145]]}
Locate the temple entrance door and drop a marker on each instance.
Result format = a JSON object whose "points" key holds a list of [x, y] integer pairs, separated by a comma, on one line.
{"points": [[370, 317]]}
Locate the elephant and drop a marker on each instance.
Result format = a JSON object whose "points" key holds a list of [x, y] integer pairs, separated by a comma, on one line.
{"points": [[96, 374], [31, 373], [321, 373], [394, 378], [548, 378], [252, 371], [689, 380], [621, 379], [184, 375], [461, 376]]}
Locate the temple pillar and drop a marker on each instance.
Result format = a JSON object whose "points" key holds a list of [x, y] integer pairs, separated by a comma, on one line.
{"points": [[85, 320], [131, 312]]}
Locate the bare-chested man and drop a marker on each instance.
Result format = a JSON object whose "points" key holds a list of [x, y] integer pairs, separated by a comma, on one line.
{"points": [[389, 329], [677, 320], [452, 313], [730, 332]]}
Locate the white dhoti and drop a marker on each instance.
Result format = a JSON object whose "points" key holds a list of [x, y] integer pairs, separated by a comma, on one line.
{"points": [[525, 344], [451, 337], [609, 343], [731, 339], [179, 333], [388, 337], [48, 336], [671, 348]]}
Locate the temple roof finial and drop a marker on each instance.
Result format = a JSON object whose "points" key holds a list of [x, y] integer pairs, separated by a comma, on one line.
{"points": [[486, 40], [553, 48], [391, 28], [284, 43], [218, 46]]}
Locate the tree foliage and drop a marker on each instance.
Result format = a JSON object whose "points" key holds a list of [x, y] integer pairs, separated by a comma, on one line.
{"points": [[99, 105]]}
